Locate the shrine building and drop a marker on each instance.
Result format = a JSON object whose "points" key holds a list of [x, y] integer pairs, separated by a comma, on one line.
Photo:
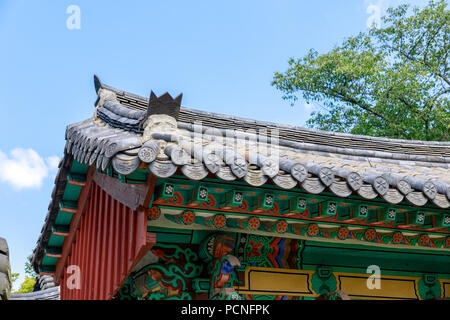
{"points": [[157, 201]]}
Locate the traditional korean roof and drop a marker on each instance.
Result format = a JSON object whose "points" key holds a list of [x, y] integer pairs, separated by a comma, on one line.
{"points": [[236, 148], [128, 133]]}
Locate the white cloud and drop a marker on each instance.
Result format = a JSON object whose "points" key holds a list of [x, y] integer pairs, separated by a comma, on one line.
{"points": [[25, 168], [308, 106], [53, 162]]}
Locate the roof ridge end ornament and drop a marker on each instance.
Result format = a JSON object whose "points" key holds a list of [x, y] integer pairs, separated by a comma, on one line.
{"points": [[103, 95], [162, 115], [164, 104], [97, 83]]}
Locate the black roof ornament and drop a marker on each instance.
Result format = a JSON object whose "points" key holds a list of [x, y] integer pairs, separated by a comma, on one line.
{"points": [[164, 104], [97, 83]]}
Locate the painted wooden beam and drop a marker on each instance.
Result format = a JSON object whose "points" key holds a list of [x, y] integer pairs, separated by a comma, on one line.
{"points": [[74, 225]]}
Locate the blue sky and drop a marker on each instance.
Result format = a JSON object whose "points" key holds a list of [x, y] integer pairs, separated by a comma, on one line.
{"points": [[220, 54]]}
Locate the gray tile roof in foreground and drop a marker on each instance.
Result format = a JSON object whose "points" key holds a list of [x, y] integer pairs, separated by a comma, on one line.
{"points": [[46, 294], [44, 289]]}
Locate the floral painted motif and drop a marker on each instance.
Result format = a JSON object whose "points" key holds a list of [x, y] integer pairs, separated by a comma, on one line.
{"points": [[255, 249], [253, 223], [424, 240], [188, 217], [343, 233], [313, 230], [154, 213], [397, 238], [282, 226], [370, 234], [219, 221]]}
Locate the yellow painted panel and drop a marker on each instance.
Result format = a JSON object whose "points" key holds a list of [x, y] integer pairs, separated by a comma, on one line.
{"points": [[390, 287], [446, 289], [277, 281]]}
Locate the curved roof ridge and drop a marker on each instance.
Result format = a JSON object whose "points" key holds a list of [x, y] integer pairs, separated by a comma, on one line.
{"points": [[217, 115]]}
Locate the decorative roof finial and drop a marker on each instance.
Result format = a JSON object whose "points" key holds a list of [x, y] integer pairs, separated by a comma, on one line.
{"points": [[97, 83], [164, 104]]}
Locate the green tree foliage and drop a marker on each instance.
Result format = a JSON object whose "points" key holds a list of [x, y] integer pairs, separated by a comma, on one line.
{"points": [[28, 284], [392, 81], [14, 277], [29, 268]]}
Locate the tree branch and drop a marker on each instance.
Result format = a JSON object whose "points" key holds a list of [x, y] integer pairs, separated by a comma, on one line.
{"points": [[437, 72]]}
